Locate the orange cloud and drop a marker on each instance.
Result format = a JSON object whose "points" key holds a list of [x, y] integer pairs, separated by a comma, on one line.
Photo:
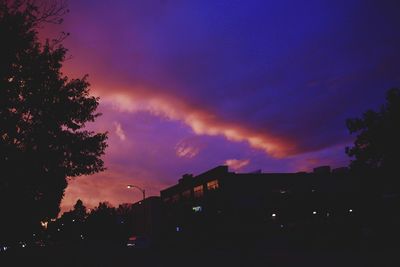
{"points": [[202, 122], [237, 164]]}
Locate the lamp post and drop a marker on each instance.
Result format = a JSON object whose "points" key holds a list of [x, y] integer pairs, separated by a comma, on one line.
{"points": [[129, 186]]}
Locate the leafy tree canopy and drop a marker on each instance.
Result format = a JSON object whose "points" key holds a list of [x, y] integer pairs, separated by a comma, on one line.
{"points": [[377, 145], [43, 114]]}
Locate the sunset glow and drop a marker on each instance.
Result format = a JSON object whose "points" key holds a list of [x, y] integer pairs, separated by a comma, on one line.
{"points": [[187, 86]]}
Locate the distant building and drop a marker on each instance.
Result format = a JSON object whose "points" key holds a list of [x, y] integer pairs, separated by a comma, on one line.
{"points": [[150, 209], [322, 170], [223, 201], [341, 170]]}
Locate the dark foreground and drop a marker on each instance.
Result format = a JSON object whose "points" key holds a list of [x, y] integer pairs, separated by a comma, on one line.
{"points": [[232, 255]]}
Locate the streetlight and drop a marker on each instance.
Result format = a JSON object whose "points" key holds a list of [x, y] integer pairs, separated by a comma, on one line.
{"points": [[129, 186]]}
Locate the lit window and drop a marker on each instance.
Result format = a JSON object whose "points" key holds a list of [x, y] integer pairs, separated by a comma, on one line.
{"points": [[213, 185], [198, 191], [186, 194]]}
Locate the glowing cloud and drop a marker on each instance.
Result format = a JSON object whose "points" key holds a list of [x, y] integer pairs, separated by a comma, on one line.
{"points": [[119, 131], [201, 121], [237, 164], [185, 150]]}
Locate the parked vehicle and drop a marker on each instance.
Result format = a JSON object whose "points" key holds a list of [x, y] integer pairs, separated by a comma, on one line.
{"points": [[140, 241]]}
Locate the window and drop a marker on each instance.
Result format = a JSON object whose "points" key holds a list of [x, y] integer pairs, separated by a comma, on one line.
{"points": [[212, 185], [167, 199], [198, 191], [186, 194]]}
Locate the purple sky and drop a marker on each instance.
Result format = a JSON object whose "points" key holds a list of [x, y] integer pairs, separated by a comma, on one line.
{"points": [[188, 85]]}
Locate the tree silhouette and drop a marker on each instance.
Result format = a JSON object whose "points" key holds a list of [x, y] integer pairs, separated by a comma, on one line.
{"points": [[125, 221], [70, 227], [377, 143], [79, 211], [43, 115], [102, 223]]}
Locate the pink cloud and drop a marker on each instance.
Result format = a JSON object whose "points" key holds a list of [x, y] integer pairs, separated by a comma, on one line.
{"points": [[119, 131], [237, 164], [201, 121]]}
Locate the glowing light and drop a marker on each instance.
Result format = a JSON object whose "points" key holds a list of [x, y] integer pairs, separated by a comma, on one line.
{"points": [[197, 209], [350, 210], [273, 215], [314, 212]]}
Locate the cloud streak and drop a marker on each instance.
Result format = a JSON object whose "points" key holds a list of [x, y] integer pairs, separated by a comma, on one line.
{"points": [[200, 121], [237, 164], [119, 131]]}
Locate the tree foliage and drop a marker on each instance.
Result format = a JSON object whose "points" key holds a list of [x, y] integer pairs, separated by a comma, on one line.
{"points": [[377, 143], [103, 223], [43, 114]]}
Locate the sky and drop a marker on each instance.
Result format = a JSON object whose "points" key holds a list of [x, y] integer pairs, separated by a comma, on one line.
{"points": [[185, 86]]}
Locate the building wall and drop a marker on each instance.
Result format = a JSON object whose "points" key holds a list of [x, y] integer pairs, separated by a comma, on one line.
{"points": [[252, 201]]}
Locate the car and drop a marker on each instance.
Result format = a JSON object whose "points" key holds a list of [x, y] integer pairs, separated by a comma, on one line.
{"points": [[139, 241]]}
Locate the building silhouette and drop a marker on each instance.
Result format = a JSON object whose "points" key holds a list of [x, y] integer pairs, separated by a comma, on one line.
{"points": [[223, 203], [146, 217]]}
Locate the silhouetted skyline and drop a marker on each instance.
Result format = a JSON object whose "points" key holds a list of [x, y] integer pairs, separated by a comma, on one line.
{"points": [[187, 86]]}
